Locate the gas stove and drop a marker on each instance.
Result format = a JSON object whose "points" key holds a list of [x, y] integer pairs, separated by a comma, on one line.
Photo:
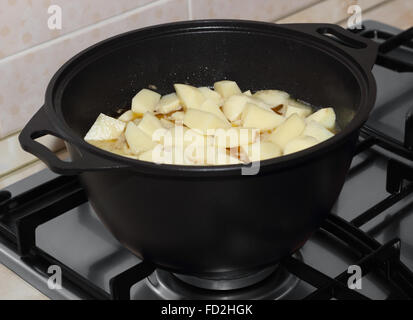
{"points": [[48, 230]]}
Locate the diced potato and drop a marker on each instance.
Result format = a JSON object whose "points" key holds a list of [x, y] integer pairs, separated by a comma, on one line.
{"points": [[326, 117], [206, 122], [227, 88], [128, 116], [248, 93], [316, 130], [175, 137], [292, 128], [168, 104], [261, 150], [272, 97], [294, 106], [150, 124], [212, 95], [191, 97], [235, 137], [105, 128], [138, 140], [146, 100], [234, 106], [178, 117], [256, 117], [212, 107], [219, 156], [299, 144], [146, 156], [167, 124]]}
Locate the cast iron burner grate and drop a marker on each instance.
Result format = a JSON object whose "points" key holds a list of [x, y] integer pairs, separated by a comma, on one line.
{"points": [[22, 214]]}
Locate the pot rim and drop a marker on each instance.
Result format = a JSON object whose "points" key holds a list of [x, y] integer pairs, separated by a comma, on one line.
{"points": [[362, 73]]}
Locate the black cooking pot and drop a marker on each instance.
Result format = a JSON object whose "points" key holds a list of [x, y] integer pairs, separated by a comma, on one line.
{"points": [[210, 221]]}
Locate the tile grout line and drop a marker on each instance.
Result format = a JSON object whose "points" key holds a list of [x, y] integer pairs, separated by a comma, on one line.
{"points": [[83, 30]]}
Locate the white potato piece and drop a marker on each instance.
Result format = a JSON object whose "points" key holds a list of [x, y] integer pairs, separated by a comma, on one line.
{"points": [[146, 100], [212, 95], [316, 130], [235, 137], [292, 128], [168, 104], [150, 124], [256, 117], [299, 144], [234, 106], [293, 106], [248, 93], [128, 116], [191, 97], [178, 117], [326, 117], [219, 156], [138, 140], [105, 128], [146, 156], [212, 107], [261, 150], [167, 124], [227, 88], [272, 97], [203, 121]]}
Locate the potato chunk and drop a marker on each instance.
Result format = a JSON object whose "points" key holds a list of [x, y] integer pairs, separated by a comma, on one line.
{"points": [[256, 117], [138, 140], [150, 124], [146, 100], [212, 95], [168, 104], [301, 109], [235, 137], [105, 128], [227, 88], [272, 97], [128, 116], [212, 107], [261, 150], [178, 117], [326, 117], [167, 124], [316, 130], [190, 96], [203, 121], [287, 131], [234, 106], [299, 144]]}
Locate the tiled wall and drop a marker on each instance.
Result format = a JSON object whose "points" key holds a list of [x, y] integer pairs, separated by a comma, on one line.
{"points": [[30, 53]]}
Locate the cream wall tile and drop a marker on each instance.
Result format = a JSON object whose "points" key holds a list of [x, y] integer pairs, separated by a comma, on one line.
{"points": [[23, 23], [266, 10], [26, 171], [14, 157], [24, 76], [329, 11], [398, 13], [12, 287]]}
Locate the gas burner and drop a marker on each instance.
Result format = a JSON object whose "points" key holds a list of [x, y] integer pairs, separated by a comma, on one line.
{"points": [[272, 283]]}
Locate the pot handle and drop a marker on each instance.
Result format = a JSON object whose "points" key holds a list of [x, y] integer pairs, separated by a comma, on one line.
{"points": [[363, 50], [40, 126]]}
